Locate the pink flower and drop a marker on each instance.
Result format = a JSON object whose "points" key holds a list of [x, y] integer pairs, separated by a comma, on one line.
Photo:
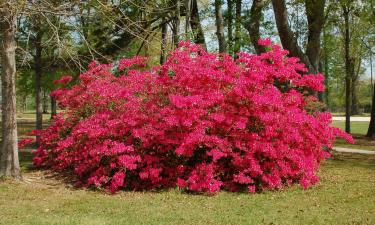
{"points": [[24, 142], [201, 121], [265, 42], [63, 80]]}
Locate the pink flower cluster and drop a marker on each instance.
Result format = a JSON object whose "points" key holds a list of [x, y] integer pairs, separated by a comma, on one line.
{"points": [[202, 121]]}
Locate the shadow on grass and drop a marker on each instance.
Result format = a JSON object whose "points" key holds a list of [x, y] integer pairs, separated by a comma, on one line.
{"points": [[341, 160], [26, 160]]}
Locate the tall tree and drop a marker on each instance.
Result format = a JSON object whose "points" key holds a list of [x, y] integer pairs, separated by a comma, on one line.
{"points": [[315, 19], [348, 66], [9, 163], [164, 30], [230, 25], [371, 128], [220, 26], [254, 24], [196, 26], [371, 17], [177, 21], [187, 18], [38, 72], [237, 35]]}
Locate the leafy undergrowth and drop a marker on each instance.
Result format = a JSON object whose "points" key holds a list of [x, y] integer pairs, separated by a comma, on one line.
{"points": [[345, 195]]}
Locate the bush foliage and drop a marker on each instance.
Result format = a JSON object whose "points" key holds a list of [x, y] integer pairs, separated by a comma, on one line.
{"points": [[202, 122]]}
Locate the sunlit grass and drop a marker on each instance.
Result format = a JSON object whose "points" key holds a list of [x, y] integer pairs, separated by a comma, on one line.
{"points": [[345, 195]]}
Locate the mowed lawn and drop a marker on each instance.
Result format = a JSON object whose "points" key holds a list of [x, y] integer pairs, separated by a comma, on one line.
{"points": [[345, 195], [358, 130]]}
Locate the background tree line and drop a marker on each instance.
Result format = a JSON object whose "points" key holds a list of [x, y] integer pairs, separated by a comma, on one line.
{"points": [[42, 40]]}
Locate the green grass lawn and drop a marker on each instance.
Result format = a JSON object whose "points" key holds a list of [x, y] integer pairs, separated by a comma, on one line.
{"points": [[345, 195], [359, 129]]}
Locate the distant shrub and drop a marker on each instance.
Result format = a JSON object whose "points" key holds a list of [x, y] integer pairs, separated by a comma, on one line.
{"points": [[202, 122]]}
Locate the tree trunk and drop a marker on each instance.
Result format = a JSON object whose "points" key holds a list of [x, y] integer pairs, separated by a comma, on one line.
{"points": [[315, 15], [326, 72], [230, 26], [254, 24], [371, 128], [220, 26], [196, 25], [355, 75], [45, 102], [164, 30], [53, 107], [348, 66], [9, 162], [24, 105], [176, 30], [237, 36], [38, 82], [187, 19], [315, 21]]}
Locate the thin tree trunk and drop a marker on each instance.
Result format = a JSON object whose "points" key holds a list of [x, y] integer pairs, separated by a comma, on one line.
{"points": [[177, 20], [164, 30], [237, 36], [38, 82], [326, 72], [371, 128], [9, 162], [355, 110], [187, 19], [230, 26], [220, 26], [53, 107], [348, 66], [196, 25], [254, 24], [45, 102], [24, 105]]}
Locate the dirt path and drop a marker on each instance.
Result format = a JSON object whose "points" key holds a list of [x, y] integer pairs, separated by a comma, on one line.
{"points": [[352, 150], [352, 119]]}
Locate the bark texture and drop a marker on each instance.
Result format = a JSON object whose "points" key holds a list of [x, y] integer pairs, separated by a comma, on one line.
{"points": [[230, 25], [53, 107], [220, 26], [163, 54], [254, 24], [315, 19], [196, 25], [348, 68], [371, 128], [177, 22], [9, 163], [237, 36], [38, 80], [187, 19]]}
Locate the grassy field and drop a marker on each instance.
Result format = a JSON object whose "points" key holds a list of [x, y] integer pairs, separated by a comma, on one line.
{"points": [[345, 195], [359, 129]]}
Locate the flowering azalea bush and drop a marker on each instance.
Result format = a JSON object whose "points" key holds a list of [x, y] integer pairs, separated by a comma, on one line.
{"points": [[202, 122]]}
